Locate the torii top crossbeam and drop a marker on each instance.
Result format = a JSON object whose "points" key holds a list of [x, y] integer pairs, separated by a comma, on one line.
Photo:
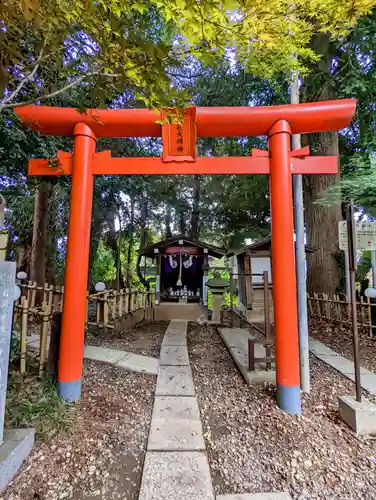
{"points": [[210, 122], [179, 157]]}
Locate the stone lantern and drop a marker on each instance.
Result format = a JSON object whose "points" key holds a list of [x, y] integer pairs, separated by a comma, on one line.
{"points": [[218, 287]]}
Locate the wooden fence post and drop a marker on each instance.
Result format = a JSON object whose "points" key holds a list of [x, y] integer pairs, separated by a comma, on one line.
{"points": [[33, 295], [267, 306], [311, 312], [99, 306], [56, 299], [87, 307], [29, 287], [43, 339], [316, 297], [105, 310], [54, 349], [121, 299], [362, 305], [23, 335]]}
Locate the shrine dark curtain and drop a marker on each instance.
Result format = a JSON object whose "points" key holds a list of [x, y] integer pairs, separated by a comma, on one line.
{"points": [[191, 272]]}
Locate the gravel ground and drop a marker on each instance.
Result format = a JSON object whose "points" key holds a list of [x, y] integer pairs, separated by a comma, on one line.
{"points": [[254, 447], [340, 340], [102, 456], [145, 339]]}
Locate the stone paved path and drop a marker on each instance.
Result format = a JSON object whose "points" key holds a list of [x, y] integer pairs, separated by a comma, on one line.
{"points": [[343, 365], [236, 340], [176, 465], [122, 359]]}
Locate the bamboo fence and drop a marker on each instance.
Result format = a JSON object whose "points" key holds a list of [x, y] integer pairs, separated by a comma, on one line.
{"points": [[34, 310], [336, 310]]}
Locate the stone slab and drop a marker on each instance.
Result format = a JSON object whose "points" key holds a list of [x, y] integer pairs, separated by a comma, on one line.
{"points": [[177, 326], [176, 476], [260, 377], [339, 363], [236, 340], [319, 349], [122, 359], [283, 495], [367, 380], [343, 365], [174, 340], [15, 449], [174, 356], [360, 416], [138, 363], [175, 381], [175, 425], [104, 354]]}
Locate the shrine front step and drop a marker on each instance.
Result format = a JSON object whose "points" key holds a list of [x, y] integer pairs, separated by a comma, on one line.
{"points": [[167, 311]]}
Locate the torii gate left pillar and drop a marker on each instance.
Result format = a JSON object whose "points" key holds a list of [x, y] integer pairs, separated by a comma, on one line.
{"points": [[179, 157], [77, 264]]}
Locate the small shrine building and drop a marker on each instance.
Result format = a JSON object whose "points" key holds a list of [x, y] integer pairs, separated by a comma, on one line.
{"points": [[181, 267]]}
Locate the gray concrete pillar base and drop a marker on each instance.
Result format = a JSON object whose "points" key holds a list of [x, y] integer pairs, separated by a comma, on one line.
{"points": [[14, 450], [360, 416]]}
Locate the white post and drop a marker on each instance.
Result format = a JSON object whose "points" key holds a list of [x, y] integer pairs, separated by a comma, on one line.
{"points": [[300, 260]]}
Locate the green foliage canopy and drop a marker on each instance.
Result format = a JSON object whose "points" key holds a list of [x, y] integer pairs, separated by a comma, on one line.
{"points": [[112, 45]]}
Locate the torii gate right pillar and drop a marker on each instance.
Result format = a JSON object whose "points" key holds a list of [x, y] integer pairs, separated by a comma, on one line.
{"points": [[283, 269]]}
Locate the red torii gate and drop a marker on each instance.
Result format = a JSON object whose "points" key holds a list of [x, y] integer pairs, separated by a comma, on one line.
{"points": [[179, 157]]}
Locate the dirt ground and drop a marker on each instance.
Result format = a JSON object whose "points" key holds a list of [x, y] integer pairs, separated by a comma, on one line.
{"points": [[102, 456], [145, 339], [254, 447], [340, 340]]}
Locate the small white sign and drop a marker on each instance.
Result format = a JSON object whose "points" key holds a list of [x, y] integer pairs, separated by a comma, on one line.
{"points": [[365, 235]]}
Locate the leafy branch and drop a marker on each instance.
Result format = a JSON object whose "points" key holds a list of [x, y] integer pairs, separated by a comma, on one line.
{"points": [[50, 95], [30, 77]]}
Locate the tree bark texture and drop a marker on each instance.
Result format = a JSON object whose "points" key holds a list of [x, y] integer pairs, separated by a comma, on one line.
{"points": [[23, 256], [195, 218], [168, 220], [42, 216], [113, 243], [182, 222], [324, 269], [130, 246], [144, 212]]}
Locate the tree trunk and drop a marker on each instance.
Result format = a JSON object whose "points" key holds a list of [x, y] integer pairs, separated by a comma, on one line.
{"points": [[168, 220], [143, 222], [324, 269], [130, 246], [23, 255], [182, 222], [96, 233], [50, 264], [40, 231], [113, 243], [195, 219]]}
